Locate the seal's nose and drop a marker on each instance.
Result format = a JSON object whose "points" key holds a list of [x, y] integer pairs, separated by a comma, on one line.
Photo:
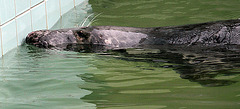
{"points": [[33, 38]]}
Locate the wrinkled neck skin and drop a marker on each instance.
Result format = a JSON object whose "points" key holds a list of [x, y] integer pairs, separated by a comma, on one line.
{"points": [[212, 33]]}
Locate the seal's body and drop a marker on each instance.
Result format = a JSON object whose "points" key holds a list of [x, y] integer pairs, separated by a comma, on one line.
{"points": [[210, 33]]}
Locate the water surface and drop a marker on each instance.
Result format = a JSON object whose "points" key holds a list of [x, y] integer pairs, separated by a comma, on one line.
{"points": [[171, 77]]}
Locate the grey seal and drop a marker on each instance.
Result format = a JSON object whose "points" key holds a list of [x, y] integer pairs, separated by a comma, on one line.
{"points": [[225, 32]]}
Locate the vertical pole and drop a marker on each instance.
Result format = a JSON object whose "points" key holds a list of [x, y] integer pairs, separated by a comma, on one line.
{"points": [[1, 39], [46, 14], [60, 13], [31, 15], [60, 8], [74, 3], [16, 20]]}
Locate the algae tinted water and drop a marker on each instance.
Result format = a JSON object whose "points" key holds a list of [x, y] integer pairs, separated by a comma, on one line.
{"points": [[33, 78], [155, 13]]}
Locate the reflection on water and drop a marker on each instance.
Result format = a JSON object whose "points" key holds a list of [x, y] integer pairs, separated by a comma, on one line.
{"points": [[198, 63], [122, 79], [152, 77]]}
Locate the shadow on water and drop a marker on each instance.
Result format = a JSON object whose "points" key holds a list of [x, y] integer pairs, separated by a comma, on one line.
{"points": [[142, 77], [135, 78], [198, 63]]}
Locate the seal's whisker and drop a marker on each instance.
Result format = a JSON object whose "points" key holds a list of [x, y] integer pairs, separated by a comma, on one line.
{"points": [[84, 21], [93, 19], [91, 22]]}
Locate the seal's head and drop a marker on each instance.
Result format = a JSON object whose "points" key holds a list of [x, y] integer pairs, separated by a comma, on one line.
{"points": [[35, 38], [57, 38]]}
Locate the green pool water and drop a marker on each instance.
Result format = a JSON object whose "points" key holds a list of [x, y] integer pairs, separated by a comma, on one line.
{"points": [[33, 78]]}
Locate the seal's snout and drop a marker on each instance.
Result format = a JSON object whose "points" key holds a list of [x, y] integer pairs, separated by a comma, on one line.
{"points": [[33, 38]]}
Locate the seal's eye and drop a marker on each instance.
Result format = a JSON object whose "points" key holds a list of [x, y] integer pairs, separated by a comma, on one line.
{"points": [[82, 34]]}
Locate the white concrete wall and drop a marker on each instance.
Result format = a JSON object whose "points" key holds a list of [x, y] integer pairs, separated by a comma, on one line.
{"points": [[19, 17]]}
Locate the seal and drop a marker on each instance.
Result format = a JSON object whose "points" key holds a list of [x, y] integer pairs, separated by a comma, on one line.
{"points": [[199, 52], [225, 32]]}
